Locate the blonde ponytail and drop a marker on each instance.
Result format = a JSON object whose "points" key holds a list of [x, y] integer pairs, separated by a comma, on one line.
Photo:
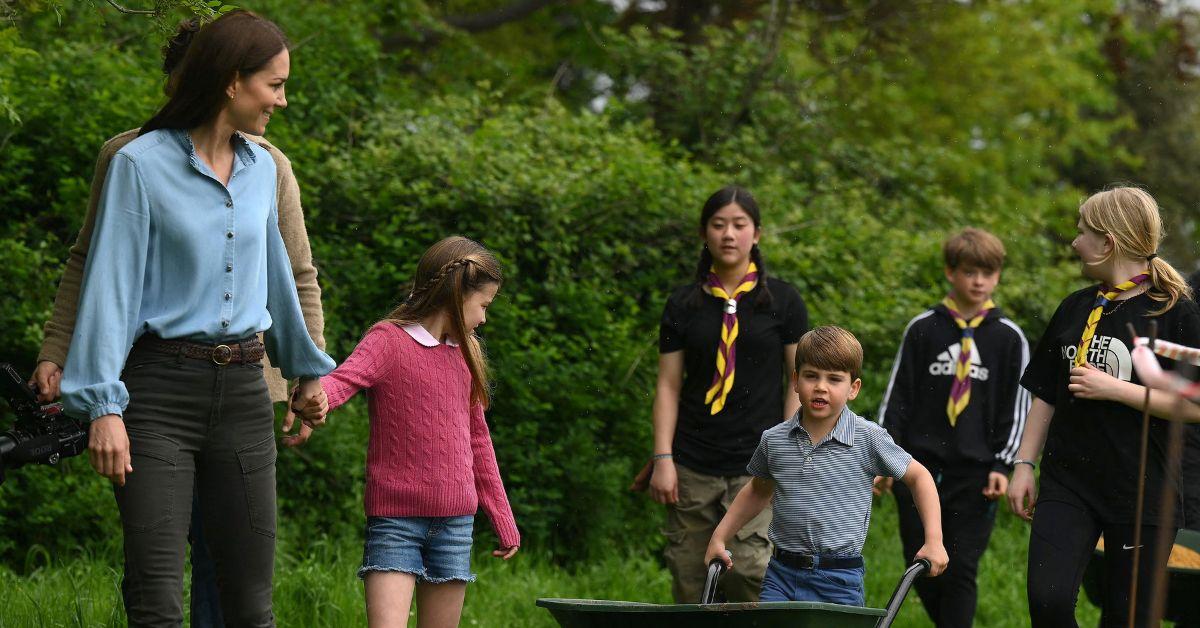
{"points": [[1131, 216]]}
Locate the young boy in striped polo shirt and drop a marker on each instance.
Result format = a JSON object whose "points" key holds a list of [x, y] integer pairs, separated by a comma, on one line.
{"points": [[816, 470]]}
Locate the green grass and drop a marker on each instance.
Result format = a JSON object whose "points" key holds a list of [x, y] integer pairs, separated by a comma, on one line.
{"points": [[315, 584]]}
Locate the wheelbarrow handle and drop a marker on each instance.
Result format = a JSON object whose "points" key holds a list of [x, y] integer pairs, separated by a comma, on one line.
{"points": [[919, 568], [716, 568]]}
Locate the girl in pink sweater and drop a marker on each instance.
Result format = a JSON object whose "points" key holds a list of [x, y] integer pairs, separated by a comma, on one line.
{"points": [[430, 462]]}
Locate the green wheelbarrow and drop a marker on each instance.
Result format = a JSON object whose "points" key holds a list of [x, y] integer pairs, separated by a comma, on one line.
{"points": [[605, 613], [1183, 579]]}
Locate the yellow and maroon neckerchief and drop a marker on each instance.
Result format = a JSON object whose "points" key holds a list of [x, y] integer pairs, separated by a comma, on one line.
{"points": [[726, 350], [960, 390], [1103, 297]]}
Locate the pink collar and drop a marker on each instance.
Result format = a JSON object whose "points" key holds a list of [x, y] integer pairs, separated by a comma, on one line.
{"points": [[422, 335]]}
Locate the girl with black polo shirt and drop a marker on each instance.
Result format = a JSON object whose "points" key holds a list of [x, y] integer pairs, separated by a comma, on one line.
{"points": [[1087, 411], [727, 342]]}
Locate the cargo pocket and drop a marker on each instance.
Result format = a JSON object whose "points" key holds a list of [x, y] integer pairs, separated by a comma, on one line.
{"points": [[145, 500], [258, 475], [676, 551], [752, 545]]}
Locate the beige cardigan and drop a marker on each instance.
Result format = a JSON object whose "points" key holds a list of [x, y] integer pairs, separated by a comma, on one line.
{"points": [[61, 325]]}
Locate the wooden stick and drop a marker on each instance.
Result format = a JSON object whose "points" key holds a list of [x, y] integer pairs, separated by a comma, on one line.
{"points": [[1141, 492], [1172, 477]]}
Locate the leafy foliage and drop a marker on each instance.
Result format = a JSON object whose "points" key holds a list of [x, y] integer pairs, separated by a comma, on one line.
{"points": [[579, 144]]}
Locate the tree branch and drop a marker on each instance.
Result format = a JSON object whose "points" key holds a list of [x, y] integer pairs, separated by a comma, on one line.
{"points": [[473, 23], [479, 22], [130, 11], [776, 24]]}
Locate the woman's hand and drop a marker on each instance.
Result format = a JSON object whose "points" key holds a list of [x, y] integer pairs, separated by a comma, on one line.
{"points": [[108, 448], [315, 404], [289, 421], [1089, 382], [46, 377], [505, 552], [996, 487], [882, 485], [1022, 492], [664, 483]]}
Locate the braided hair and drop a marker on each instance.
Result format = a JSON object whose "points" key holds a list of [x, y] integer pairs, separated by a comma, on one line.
{"points": [[446, 275]]}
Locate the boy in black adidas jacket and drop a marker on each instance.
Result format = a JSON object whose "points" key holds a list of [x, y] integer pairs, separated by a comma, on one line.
{"points": [[954, 402]]}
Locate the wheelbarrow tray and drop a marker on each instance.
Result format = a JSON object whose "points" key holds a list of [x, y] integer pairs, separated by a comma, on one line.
{"points": [[604, 614]]}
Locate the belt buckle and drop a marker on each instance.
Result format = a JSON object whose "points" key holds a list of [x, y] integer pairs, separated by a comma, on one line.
{"points": [[808, 562], [222, 354]]}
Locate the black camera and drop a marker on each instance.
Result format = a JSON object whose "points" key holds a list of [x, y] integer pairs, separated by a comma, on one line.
{"points": [[42, 434]]}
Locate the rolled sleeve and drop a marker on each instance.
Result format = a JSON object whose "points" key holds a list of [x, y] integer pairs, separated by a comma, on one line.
{"points": [[110, 298]]}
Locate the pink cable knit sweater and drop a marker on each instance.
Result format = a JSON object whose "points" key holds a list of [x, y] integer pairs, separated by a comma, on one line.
{"points": [[430, 453]]}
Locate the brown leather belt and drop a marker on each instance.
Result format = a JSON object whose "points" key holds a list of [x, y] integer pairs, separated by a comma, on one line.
{"points": [[235, 352]]}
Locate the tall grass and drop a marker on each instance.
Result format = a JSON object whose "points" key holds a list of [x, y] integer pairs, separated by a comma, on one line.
{"points": [[315, 584]]}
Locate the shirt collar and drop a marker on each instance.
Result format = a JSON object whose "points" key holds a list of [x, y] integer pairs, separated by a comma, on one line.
{"points": [[422, 335], [843, 432], [241, 148]]}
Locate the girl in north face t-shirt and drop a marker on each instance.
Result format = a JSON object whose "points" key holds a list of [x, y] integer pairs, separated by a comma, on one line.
{"points": [[1087, 412]]}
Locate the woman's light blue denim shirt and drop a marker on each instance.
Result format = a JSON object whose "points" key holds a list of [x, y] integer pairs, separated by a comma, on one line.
{"points": [[178, 254]]}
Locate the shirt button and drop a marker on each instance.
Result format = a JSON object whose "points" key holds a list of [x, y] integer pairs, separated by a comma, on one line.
{"points": [[229, 268], [228, 296], [229, 235], [224, 323], [229, 202]]}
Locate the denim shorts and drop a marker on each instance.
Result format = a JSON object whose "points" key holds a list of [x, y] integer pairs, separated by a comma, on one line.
{"points": [[784, 583], [434, 549]]}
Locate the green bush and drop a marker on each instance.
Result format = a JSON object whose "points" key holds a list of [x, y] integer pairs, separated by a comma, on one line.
{"points": [[866, 140]]}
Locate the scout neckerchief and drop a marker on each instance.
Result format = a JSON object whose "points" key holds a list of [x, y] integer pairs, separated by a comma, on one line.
{"points": [[960, 391], [1103, 297], [723, 378]]}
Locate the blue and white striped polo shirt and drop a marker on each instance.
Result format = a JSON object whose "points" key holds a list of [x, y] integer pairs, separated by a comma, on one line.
{"points": [[822, 500]]}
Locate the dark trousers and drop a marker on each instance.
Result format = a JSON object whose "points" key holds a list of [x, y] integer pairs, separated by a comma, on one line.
{"points": [[206, 598], [967, 520], [192, 423], [1061, 542]]}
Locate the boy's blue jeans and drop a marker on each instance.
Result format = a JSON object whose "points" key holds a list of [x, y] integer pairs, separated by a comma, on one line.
{"points": [[784, 583]]}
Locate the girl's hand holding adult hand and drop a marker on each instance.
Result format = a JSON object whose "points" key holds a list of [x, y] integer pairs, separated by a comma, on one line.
{"points": [[46, 377], [108, 448], [316, 403], [664, 483], [1089, 382], [505, 552], [1022, 492]]}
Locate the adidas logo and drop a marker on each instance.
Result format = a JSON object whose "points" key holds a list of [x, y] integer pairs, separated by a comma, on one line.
{"points": [[947, 361]]}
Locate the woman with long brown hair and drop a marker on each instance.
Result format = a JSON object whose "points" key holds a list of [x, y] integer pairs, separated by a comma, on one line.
{"points": [[186, 267]]}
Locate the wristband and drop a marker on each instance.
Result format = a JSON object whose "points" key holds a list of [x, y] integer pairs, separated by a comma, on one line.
{"points": [[1031, 464], [662, 457]]}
